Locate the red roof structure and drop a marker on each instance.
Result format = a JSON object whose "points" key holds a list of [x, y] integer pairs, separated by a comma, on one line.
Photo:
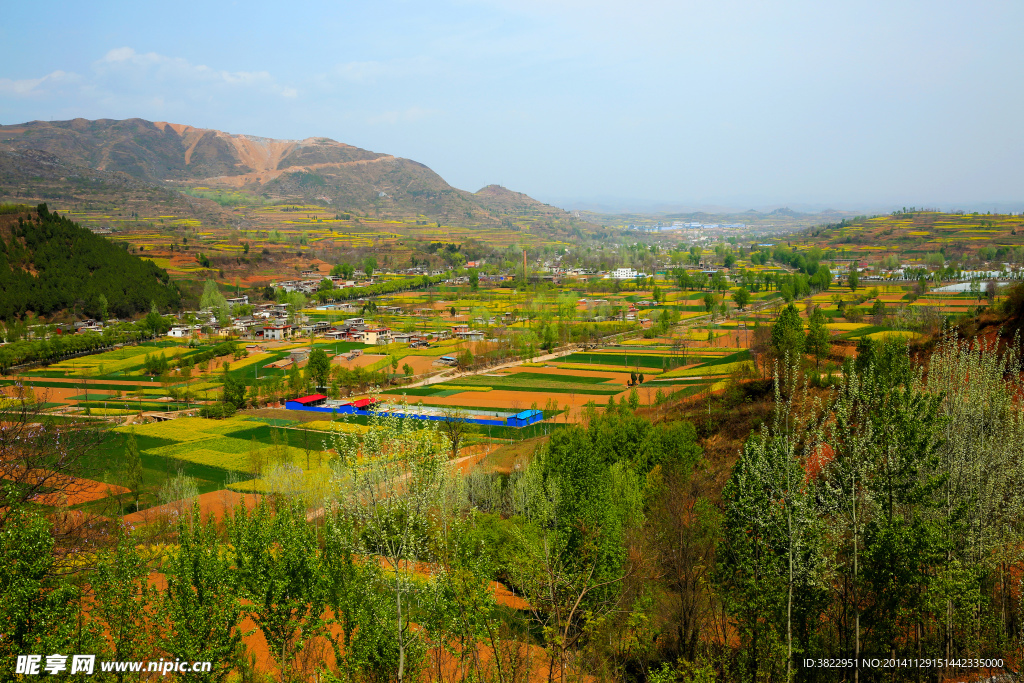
{"points": [[312, 398], [363, 403]]}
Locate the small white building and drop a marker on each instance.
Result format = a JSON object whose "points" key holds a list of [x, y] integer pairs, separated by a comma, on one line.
{"points": [[625, 274], [182, 332]]}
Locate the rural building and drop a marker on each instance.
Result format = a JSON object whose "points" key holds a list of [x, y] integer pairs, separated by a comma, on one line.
{"points": [[525, 418], [277, 332], [625, 274], [381, 335], [180, 332], [311, 401]]}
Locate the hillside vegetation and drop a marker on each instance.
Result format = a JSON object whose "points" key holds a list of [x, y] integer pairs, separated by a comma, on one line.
{"points": [[923, 237], [49, 263]]}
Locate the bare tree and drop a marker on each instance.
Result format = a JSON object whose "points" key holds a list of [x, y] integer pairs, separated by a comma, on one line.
{"points": [[390, 496], [42, 459]]}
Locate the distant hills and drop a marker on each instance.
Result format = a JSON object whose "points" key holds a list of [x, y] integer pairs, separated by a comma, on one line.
{"points": [[315, 170]]}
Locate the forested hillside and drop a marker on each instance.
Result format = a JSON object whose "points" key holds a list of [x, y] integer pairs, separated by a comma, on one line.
{"points": [[50, 264]]}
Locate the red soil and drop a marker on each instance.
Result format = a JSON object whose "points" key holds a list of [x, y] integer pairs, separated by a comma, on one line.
{"points": [[215, 503]]}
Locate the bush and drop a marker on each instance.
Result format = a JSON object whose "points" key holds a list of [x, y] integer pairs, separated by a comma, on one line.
{"points": [[1013, 307], [218, 411]]}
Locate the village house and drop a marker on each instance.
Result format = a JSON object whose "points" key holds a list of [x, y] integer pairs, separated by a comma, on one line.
{"points": [[276, 332], [379, 335]]}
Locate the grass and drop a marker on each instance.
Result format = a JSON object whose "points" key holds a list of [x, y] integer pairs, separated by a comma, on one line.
{"points": [[531, 384], [881, 336], [846, 327], [705, 370], [220, 445], [133, 405], [864, 331], [603, 368], [456, 387], [335, 426], [627, 360], [249, 360], [117, 361], [432, 390], [717, 366], [106, 464], [543, 377]]}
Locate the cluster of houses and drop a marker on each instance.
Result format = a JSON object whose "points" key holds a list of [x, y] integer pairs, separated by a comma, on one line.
{"points": [[271, 322], [310, 280]]}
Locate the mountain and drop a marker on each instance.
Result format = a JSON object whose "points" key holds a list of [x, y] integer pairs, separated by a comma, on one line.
{"points": [[314, 170], [506, 202]]}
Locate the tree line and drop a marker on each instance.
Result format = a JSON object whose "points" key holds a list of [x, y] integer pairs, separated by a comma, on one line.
{"points": [[884, 519]]}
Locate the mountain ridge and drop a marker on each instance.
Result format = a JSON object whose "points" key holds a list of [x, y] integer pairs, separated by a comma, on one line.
{"points": [[312, 170]]}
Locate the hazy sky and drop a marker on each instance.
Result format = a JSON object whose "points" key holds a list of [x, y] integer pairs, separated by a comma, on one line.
{"points": [[848, 104]]}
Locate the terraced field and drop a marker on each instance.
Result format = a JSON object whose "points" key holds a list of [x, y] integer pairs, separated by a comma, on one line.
{"points": [[537, 383]]}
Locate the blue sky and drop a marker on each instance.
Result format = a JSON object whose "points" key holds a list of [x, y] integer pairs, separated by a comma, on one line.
{"points": [[724, 102]]}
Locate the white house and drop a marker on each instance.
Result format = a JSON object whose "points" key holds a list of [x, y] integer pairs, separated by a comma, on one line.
{"points": [[181, 332], [625, 274]]}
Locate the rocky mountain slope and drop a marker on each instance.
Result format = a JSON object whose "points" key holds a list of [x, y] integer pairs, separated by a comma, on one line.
{"points": [[314, 170]]}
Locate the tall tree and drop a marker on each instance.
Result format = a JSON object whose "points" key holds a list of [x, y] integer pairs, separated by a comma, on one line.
{"points": [[770, 558], [742, 297], [369, 265], [885, 480], [278, 569], [391, 502], [212, 298], [817, 343], [124, 602], [133, 466], [787, 338], [40, 612], [201, 605], [982, 452], [318, 368]]}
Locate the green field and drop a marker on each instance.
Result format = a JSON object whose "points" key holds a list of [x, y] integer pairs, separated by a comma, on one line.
{"points": [[541, 383], [626, 361], [219, 446]]}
